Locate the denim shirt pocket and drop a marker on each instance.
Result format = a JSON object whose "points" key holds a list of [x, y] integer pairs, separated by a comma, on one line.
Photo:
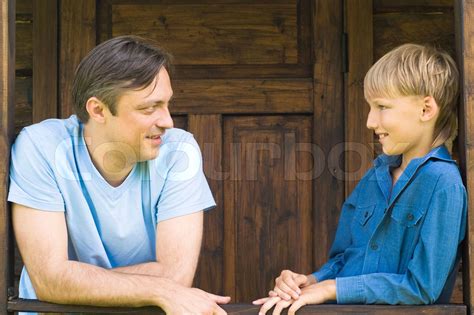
{"points": [[406, 215], [364, 213]]}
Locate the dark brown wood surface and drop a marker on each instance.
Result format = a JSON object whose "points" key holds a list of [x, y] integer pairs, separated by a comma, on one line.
{"points": [[358, 139], [77, 38], [267, 201], [465, 30], [45, 59], [7, 81], [248, 309], [328, 131], [200, 33], [210, 273], [242, 96]]}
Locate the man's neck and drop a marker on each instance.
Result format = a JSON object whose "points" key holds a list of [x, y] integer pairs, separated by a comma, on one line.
{"points": [[110, 162]]}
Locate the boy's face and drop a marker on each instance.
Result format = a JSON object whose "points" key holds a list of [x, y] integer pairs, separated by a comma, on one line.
{"points": [[141, 119], [399, 126]]}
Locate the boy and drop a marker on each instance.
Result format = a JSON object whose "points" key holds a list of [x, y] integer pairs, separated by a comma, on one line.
{"points": [[399, 231]]}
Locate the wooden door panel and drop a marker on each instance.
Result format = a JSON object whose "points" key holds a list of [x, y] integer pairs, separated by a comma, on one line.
{"points": [[215, 34], [268, 209]]}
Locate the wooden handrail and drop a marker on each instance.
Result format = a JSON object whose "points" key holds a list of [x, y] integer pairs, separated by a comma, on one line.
{"points": [[326, 309]]}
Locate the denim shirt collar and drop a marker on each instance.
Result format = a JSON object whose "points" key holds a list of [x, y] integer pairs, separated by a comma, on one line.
{"points": [[383, 163]]}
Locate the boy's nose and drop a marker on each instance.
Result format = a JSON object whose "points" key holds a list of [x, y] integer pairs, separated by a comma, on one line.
{"points": [[371, 120]]}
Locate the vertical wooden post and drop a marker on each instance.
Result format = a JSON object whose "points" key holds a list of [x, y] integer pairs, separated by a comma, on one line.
{"points": [[328, 129], [45, 59], [7, 81], [77, 38], [464, 12], [359, 139]]}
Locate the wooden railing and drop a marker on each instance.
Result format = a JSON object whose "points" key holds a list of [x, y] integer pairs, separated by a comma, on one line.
{"points": [[243, 309]]}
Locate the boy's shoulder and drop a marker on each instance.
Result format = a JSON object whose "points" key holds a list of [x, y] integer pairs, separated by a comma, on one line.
{"points": [[445, 171]]}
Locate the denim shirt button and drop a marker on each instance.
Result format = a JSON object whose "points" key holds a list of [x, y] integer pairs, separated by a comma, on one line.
{"points": [[366, 214], [374, 246], [410, 217]]}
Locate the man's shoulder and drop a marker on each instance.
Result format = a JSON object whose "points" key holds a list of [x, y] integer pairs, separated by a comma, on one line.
{"points": [[174, 135], [51, 130]]}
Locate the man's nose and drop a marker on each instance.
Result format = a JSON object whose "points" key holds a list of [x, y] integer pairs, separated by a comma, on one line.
{"points": [[165, 120]]}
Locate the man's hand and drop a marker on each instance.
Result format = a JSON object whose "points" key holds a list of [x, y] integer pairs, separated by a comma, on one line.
{"points": [[193, 301], [313, 294], [288, 285]]}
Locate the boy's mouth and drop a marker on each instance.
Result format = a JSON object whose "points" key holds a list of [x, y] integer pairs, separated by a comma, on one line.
{"points": [[382, 135]]}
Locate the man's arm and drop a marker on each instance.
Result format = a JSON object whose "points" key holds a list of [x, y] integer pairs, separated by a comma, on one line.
{"points": [[42, 240], [178, 244]]}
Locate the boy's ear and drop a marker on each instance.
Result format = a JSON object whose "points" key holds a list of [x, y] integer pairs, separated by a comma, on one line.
{"points": [[430, 108], [96, 109]]}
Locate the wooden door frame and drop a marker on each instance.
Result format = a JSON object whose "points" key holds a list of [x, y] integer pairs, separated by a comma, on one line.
{"points": [[7, 77]]}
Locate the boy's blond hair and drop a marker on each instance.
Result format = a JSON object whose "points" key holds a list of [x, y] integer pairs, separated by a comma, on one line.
{"points": [[416, 70]]}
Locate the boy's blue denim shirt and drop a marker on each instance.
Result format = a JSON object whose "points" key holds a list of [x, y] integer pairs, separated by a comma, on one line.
{"points": [[398, 246]]}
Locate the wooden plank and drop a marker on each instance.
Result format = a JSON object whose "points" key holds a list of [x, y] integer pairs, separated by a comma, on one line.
{"points": [[187, 2], [358, 151], [77, 38], [7, 82], [328, 123], [394, 29], [23, 103], [215, 34], [24, 42], [45, 59], [305, 53], [405, 5], [268, 200], [207, 130], [248, 309], [202, 72], [464, 14], [242, 96]]}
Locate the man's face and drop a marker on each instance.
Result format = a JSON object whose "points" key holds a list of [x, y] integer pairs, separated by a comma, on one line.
{"points": [[142, 116]]}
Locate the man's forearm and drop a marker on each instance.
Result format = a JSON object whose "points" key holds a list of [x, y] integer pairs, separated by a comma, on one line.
{"points": [[80, 283], [183, 276]]}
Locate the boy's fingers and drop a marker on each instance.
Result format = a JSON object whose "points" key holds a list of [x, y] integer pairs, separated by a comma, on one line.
{"points": [[268, 305], [272, 293], [260, 301], [282, 294], [284, 287], [280, 306], [300, 280], [296, 306]]}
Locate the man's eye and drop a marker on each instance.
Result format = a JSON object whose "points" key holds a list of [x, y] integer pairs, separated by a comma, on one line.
{"points": [[149, 109]]}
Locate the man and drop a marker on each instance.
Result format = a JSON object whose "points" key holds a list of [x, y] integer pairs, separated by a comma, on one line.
{"points": [[108, 205]]}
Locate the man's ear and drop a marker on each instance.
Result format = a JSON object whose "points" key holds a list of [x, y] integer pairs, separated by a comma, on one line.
{"points": [[96, 109], [430, 109]]}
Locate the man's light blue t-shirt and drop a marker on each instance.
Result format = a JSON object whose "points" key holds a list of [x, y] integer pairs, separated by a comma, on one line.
{"points": [[108, 226]]}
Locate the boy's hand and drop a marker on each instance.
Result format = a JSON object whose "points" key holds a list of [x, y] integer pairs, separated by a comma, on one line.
{"points": [[313, 294], [288, 284]]}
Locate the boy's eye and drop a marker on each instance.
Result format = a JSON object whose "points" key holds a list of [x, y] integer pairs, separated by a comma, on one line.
{"points": [[382, 107]]}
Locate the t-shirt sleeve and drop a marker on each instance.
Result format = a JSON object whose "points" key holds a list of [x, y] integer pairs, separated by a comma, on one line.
{"points": [[185, 190], [32, 181]]}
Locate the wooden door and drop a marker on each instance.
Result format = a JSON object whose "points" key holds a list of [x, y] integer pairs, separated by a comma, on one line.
{"points": [[259, 84]]}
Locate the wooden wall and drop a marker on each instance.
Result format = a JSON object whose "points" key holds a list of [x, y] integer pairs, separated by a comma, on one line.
{"points": [[252, 87]]}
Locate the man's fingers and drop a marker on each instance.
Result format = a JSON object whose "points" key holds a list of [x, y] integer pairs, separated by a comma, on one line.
{"points": [[219, 299], [296, 306], [268, 305], [220, 311]]}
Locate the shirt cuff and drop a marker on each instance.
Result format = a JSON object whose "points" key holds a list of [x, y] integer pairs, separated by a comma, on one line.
{"points": [[323, 274], [350, 290]]}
